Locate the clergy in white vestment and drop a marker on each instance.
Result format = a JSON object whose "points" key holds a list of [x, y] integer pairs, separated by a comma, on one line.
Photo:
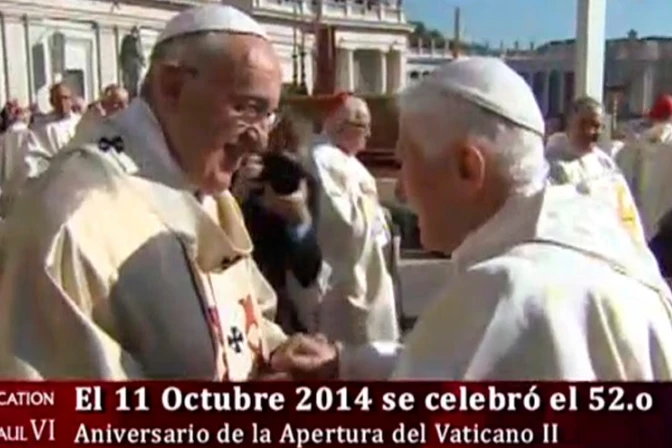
{"points": [[113, 99], [576, 158], [646, 163], [12, 158], [128, 257], [359, 302], [545, 283], [52, 132]]}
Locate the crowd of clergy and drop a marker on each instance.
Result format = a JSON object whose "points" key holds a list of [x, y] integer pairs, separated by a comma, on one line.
{"points": [[194, 232]]}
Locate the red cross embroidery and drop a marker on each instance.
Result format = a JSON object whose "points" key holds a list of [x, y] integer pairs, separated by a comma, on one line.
{"points": [[215, 324], [250, 320]]}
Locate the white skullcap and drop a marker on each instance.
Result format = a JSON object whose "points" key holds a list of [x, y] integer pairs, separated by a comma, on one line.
{"points": [[211, 17], [491, 84]]}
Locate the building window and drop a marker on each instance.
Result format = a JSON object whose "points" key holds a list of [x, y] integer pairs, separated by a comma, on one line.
{"points": [[539, 88], [554, 99], [75, 80], [569, 87], [39, 60]]}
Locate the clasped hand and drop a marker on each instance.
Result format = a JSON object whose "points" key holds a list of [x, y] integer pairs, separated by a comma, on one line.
{"points": [[303, 357]]}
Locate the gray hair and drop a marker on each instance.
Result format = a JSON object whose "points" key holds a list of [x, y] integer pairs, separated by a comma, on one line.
{"points": [[585, 103], [195, 49], [434, 119]]}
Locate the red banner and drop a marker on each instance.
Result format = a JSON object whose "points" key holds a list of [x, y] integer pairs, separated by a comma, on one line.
{"points": [[335, 414]]}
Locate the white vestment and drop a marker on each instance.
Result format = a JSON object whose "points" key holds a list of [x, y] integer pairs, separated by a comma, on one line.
{"points": [[359, 304], [596, 173], [550, 288], [646, 164], [88, 123], [46, 139], [111, 269], [13, 169]]}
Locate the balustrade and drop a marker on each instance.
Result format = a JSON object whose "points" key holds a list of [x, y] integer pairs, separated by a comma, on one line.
{"points": [[366, 10]]}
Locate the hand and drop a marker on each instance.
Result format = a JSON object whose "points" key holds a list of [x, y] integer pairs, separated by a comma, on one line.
{"points": [[247, 177], [292, 208], [307, 357]]}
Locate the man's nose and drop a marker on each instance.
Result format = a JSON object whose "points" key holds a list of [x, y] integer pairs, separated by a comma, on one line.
{"points": [[254, 138]]}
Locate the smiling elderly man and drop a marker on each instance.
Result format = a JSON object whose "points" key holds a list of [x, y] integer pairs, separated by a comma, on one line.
{"points": [[129, 258], [359, 301], [546, 282]]}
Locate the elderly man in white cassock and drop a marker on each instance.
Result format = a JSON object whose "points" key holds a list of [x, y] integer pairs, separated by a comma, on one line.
{"points": [[52, 132], [12, 157], [646, 163], [114, 99], [546, 283], [576, 158], [128, 257], [359, 302]]}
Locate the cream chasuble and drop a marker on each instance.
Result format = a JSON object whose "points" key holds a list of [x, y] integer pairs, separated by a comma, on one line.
{"points": [[359, 304], [46, 139], [111, 269], [597, 174], [646, 164], [551, 288]]}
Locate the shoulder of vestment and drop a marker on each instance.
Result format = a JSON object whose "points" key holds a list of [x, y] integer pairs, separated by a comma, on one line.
{"points": [[83, 193]]}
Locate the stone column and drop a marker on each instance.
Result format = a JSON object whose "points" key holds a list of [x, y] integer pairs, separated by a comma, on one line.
{"points": [[346, 69], [395, 74], [561, 92], [590, 35], [382, 72], [648, 84], [403, 69]]}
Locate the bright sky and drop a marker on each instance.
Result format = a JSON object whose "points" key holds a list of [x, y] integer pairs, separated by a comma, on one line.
{"points": [[538, 20]]}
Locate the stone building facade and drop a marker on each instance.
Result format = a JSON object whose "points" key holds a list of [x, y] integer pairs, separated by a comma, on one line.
{"points": [[80, 41]]}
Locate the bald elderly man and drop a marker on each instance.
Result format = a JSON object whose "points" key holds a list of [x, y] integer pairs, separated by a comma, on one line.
{"points": [[52, 132], [113, 99], [576, 158], [546, 284], [358, 304], [129, 258]]}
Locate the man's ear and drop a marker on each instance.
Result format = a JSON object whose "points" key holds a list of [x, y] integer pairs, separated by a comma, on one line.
{"points": [[470, 165]]}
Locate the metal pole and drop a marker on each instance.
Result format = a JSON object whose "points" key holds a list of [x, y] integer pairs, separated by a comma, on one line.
{"points": [[295, 56], [99, 64], [317, 19], [456, 34], [5, 59], [29, 58]]}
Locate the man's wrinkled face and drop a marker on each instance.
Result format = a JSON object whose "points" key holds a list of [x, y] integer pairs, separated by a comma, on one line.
{"points": [[61, 100], [587, 125], [115, 100], [225, 110], [355, 128], [357, 131]]}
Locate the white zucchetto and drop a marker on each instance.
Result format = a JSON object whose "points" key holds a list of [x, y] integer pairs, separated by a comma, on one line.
{"points": [[491, 84], [211, 18]]}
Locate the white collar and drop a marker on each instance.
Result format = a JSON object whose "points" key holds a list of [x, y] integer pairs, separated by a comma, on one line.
{"points": [[559, 215], [514, 217], [153, 154]]}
